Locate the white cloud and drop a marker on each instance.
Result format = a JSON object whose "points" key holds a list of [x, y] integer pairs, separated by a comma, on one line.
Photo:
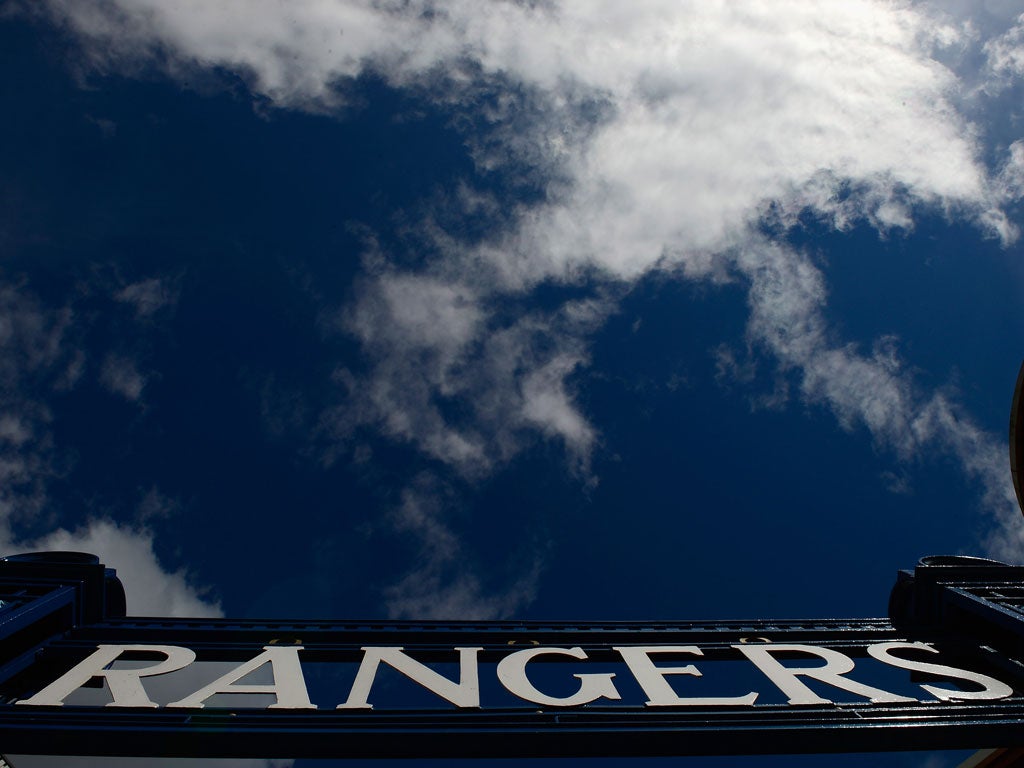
{"points": [[1010, 181], [457, 380], [1006, 52], [548, 405], [666, 131], [715, 107], [150, 589]]}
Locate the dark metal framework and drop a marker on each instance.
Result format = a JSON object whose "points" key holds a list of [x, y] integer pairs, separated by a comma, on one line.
{"points": [[57, 608]]}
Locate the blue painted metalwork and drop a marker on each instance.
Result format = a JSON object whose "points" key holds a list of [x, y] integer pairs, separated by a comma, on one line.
{"points": [[60, 611]]}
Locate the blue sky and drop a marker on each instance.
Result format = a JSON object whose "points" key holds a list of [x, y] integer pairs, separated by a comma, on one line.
{"points": [[645, 310]]}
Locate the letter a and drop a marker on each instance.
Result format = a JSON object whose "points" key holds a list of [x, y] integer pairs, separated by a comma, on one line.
{"points": [[289, 686], [465, 693]]}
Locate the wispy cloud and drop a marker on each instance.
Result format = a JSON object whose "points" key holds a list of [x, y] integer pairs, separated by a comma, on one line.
{"points": [[874, 391], [1005, 53], [148, 296], [443, 581], [121, 376], [35, 362], [459, 379]]}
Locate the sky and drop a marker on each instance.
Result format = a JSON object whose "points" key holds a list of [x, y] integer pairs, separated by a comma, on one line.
{"points": [[657, 310]]}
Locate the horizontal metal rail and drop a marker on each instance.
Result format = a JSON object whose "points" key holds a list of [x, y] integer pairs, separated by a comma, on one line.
{"points": [[335, 640], [597, 731]]}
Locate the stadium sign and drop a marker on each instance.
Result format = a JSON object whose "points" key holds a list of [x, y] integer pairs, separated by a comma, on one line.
{"points": [[77, 676], [288, 688]]}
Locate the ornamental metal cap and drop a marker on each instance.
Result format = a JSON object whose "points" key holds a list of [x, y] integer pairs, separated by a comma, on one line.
{"points": [[959, 561], [100, 594], [62, 557]]}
